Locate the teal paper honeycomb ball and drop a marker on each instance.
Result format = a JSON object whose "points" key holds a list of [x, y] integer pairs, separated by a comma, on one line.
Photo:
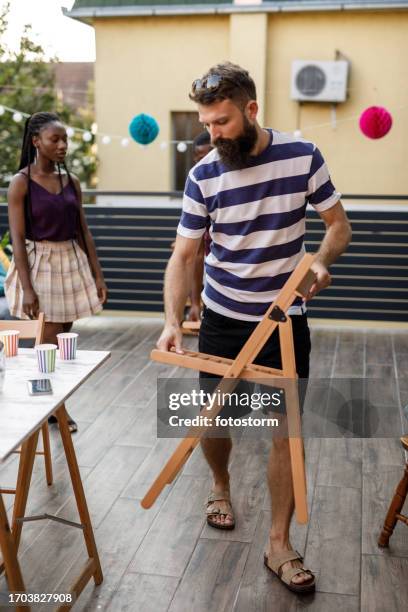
{"points": [[143, 129]]}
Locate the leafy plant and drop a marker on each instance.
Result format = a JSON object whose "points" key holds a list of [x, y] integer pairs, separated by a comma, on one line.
{"points": [[5, 240], [27, 83]]}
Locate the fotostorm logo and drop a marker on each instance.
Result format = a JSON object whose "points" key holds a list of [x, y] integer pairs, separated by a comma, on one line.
{"points": [[208, 401]]}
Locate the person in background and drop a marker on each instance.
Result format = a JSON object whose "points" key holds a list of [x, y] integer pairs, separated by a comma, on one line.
{"points": [[4, 311], [201, 147], [55, 268]]}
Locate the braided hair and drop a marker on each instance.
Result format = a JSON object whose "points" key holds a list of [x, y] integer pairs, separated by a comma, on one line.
{"points": [[81, 234], [33, 126]]}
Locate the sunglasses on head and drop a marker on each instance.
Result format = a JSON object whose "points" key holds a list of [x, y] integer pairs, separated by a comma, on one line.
{"points": [[210, 83]]}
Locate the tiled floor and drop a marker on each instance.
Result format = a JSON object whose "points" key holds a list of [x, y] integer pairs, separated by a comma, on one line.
{"points": [[167, 558]]}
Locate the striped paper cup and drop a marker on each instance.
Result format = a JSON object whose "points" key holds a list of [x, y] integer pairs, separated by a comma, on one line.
{"points": [[46, 357], [9, 338], [67, 343]]}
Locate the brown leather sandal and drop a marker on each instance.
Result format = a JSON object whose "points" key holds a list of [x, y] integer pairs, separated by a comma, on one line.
{"points": [[274, 564], [213, 509]]}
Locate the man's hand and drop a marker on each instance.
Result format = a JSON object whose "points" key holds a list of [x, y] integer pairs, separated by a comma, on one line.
{"points": [[31, 305], [323, 279], [170, 336]]}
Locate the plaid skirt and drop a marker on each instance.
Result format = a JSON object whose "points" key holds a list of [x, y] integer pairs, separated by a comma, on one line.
{"points": [[62, 279]]}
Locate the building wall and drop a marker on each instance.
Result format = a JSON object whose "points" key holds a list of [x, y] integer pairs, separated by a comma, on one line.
{"points": [[73, 80], [147, 64], [374, 43]]}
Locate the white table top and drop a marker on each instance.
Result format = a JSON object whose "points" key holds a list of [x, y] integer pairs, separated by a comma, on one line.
{"points": [[22, 414]]}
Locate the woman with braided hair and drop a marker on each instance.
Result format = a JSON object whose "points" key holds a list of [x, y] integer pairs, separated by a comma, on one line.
{"points": [[55, 268]]}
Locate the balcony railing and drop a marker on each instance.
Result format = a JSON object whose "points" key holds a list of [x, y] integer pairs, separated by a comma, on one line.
{"points": [[369, 280]]}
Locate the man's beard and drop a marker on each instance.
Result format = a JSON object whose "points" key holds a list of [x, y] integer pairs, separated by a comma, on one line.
{"points": [[235, 153]]}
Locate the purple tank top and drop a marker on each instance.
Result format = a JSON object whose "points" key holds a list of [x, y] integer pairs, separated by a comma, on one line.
{"points": [[55, 217]]}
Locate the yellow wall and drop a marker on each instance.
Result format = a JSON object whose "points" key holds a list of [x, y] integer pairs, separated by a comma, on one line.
{"points": [[147, 65], [375, 44], [248, 48]]}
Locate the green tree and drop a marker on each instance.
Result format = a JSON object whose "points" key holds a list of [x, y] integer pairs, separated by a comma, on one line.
{"points": [[27, 83]]}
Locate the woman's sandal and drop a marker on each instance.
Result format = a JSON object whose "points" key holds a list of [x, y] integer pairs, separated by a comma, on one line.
{"points": [[274, 564], [73, 427], [213, 509]]}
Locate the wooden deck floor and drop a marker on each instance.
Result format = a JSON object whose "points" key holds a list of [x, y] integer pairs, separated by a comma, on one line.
{"points": [[167, 558]]}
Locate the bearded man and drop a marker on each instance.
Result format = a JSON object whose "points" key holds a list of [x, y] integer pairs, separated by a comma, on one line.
{"points": [[253, 187]]}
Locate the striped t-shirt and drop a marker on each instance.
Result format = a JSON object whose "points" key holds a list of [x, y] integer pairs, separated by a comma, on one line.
{"points": [[257, 222]]}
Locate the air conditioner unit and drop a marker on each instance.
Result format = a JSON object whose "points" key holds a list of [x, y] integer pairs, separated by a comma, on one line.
{"points": [[315, 81]]}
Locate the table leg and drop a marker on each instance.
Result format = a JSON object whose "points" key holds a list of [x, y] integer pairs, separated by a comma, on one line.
{"points": [[25, 470], [47, 453], [9, 551], [95, 566]]}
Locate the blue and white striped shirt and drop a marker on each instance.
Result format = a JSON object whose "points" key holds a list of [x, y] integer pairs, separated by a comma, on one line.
{"points": [[257, 218]]}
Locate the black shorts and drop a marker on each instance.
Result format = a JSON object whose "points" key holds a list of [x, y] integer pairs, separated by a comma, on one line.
{"points": [[225, 337]]}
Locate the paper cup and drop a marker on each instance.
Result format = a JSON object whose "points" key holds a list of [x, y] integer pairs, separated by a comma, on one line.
{"points": [[67, 343], [10, 340], [46, 357]]}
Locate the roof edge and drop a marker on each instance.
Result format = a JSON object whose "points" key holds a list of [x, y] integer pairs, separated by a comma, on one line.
{"points": [[87, 14]]}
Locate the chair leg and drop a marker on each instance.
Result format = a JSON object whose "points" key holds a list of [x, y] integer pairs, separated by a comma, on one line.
{"points": [[394, 509], [47, 453]]}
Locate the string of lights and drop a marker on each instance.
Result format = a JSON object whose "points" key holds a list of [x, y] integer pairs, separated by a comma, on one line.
{"points": [[88, 135]]}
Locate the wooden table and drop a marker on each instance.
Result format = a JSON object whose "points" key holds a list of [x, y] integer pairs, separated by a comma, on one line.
{"points": [[21, 418]]}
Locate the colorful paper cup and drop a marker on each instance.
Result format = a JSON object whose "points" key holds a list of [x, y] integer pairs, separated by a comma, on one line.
{"points": [[46, 357], [67, 343], [9, 338]]}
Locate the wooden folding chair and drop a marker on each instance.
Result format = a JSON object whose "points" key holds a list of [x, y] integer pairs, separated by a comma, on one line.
{"points": [[394, 512], [190, 328], [33, 330], [242, 367]]}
